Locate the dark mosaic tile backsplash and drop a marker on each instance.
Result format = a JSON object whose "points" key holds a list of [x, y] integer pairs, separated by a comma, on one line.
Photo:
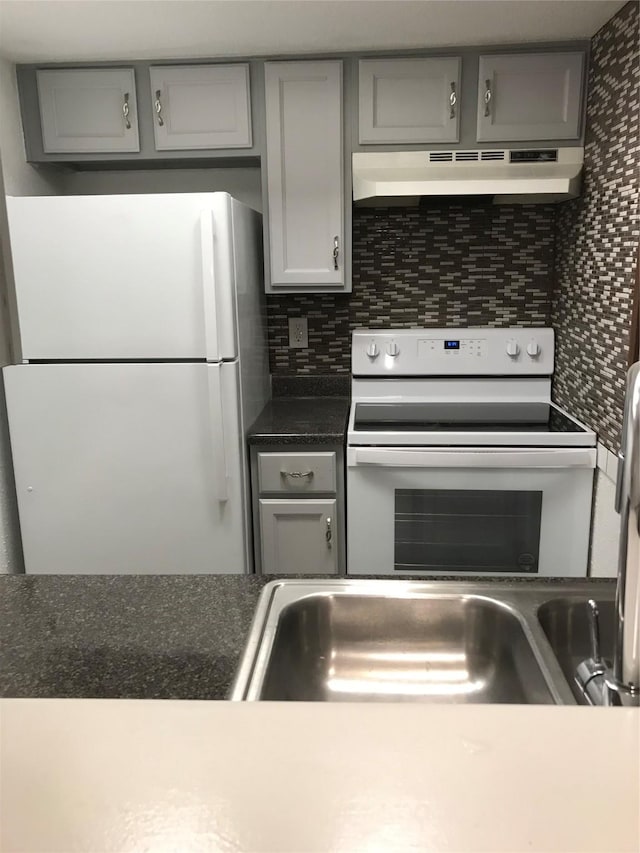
{"points": [[597, 238], [473, 264]]}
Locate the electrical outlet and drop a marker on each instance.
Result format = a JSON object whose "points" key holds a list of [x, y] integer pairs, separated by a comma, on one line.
{"points": [[298, 334]]}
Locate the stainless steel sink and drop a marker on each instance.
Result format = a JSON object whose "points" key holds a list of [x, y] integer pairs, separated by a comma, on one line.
{"points": [[340, 647], [358, 640], [566, 626]]}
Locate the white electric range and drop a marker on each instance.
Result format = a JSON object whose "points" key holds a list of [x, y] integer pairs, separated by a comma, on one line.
{"points": [[457, 460]]}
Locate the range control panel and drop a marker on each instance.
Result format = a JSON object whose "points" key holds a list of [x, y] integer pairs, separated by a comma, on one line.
{"points": [[452, 352]]}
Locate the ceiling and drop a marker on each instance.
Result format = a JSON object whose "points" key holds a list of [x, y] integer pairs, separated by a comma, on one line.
{"points": [[76, 30]]}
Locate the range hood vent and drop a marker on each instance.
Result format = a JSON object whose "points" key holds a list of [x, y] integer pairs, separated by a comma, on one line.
{"points": [[513, 176], [493, 155]]}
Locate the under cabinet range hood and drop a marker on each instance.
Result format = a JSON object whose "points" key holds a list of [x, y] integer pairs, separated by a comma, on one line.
{"points": [[516, 176]]}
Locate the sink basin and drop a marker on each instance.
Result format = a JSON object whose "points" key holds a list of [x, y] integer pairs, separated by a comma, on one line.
{"points": [[340, 647], [390, 640], [565, 624], [336, 640]]}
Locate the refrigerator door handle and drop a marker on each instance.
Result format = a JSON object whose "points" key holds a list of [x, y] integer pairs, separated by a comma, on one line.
{"points": [[210, 312], [216, 416]]}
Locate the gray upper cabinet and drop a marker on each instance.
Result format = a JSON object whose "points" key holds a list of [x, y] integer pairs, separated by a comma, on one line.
{"points": [[409, 100], [84, 110], [201, 106], [530, 96], [305, 185]]}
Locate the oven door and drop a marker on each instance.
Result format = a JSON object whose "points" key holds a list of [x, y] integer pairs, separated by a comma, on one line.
{"points": [[472, 511]]}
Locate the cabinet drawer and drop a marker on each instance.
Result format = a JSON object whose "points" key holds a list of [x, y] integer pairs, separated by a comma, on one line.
{"points": [[297, 472]]}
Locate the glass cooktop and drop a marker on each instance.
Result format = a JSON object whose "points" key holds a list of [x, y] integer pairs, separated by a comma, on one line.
{"points": [[462, 417]]}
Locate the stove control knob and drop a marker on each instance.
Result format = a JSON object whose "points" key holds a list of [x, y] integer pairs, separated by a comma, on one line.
{"points": [[533, 349], [393, 349], [513, 349], [372, 350]]}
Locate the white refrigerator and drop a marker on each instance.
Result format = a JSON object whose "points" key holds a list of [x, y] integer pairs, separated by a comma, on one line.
{"points": [[143, 337]]}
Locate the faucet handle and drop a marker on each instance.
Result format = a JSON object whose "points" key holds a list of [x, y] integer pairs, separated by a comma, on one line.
{"points": [[593, 615]]}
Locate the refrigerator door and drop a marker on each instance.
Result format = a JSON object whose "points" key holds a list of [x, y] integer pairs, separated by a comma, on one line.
{"points": [[128, 468], [124, 276]]}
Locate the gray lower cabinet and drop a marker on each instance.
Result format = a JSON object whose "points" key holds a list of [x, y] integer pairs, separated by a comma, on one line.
{"points": [[305, 184], [298, 536], [200, 106], [88, 110], [526, 97], [409, 100], [298, 510]]}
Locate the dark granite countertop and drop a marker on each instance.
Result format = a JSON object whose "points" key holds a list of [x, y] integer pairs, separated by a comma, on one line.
{"points": [[130, 636], [137, 636], [301, 420]]}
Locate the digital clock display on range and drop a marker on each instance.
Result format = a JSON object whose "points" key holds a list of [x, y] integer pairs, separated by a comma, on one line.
{"points": [[452, 344]]}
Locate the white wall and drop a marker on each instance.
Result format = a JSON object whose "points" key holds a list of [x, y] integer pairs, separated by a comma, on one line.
{"points": [[243, 184]]}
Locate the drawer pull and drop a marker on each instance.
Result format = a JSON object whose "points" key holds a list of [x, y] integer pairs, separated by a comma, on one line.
{"points": [[297, 475], [329, 534]]}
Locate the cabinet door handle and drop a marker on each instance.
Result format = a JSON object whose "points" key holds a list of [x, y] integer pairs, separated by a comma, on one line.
{"points": [[453, 100], [336, 251], [297, 475], [125, 110], [328, 534], [158, 107], [487, 97]]}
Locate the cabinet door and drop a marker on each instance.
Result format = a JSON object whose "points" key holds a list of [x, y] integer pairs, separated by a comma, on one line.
{"points": [[305, 173], [201, 106], [409, 100], [88, 110], [299, 537], [523, 97]]}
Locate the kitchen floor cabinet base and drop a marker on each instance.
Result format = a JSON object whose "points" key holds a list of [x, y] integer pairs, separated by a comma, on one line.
{"points": [[298, 510]]}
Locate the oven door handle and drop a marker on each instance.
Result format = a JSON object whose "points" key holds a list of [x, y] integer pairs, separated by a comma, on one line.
{"points": [[485, 458]]}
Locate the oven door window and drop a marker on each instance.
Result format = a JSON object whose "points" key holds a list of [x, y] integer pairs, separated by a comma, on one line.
{"points": [[467, 530]]}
